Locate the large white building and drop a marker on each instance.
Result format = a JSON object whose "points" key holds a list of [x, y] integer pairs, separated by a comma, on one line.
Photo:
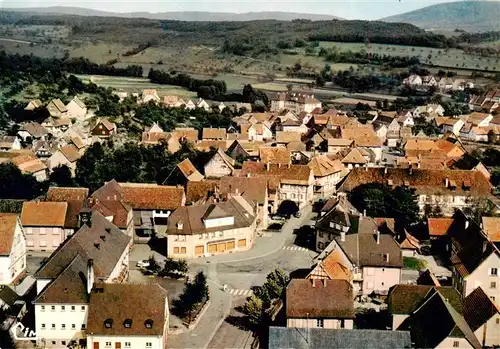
{"points": [[12, 248], [128, 316], [98, 252], [295, 102]]}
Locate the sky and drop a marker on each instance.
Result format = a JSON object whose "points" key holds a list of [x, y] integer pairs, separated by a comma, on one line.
{"points": [[355, 9]]}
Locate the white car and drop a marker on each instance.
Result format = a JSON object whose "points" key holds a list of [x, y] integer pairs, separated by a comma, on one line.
{"points": [[143, 264]]}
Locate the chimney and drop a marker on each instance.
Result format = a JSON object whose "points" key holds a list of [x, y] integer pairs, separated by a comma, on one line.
{"points": [[90, 275], [97, 245], [108, 230], [324, 283], [267, 166], [485, 245], [103, 237], [385, 170], [342, 236], [180, 225], [312, 283], [377, 235], [237, 191], [84, 217], [364, 212], [447, 182], [387, 257], [411, 170], [466, 224]]}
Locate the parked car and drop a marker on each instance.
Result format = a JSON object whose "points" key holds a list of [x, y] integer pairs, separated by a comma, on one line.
{"points": [[278, 218], [297, 214], [143, 264]]}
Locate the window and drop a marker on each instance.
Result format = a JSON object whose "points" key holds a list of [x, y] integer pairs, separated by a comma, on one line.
{"points": [[493, 284], [320, 234], [42, 231], [108, 345], [83, 326], [72, 308], [148, 323], [55, 242], [456, 344], [53, 326], [498, 321], [83, 308], [148, 345], [43, 326], [127, 323], [127, 344], [63, 326], [176, 249], [108, 323], [53, 342], [53, 307], [342, 323], [73, 326], [63, 342], [43, 243], [30, 243], [183, 250], [321, 246], [43, 308], [493, 271], [63, 308], [319, 323]]}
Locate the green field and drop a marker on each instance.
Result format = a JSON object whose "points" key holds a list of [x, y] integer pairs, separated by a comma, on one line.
{"points": [[451, 58]]}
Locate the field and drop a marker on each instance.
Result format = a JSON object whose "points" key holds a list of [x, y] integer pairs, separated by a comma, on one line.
{"points": [[136, 85], [451, 58]]}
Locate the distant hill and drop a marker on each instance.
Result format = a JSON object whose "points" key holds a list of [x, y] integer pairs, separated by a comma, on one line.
{"points": [[179, 16], [474, 16]]}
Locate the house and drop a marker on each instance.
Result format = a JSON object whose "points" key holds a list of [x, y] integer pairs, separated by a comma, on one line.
{"points": [[405, 119], [154, 134], [352, 158], [216, 134], [208, 145], [202, 104], [103, 128], [317, 303], [33, 131], [76, 108], [490, 96], [336, 145], [364, 137], [448, 189], [274, 155], [283, 138], [43, 224], [173, 101], [219, 165], [97, 253], [409, 245], [474, 258], [217, 228], [287, 182], [413, 80], [186, 172], [179, 135], [295, 102], [483, 317], [315, 338], [128, 316], [374, 258], [327, 174], [256, 132], [491, 227], [437, 324], [439, 227], [76, 199], [27, 162], [190, 105], [57, 126], [479, 119], [67, 156], [57, 109], [447, 124], [445, 84], [333, 267], [245, 149], [9, 143], [468, 162], [294, 126], [150, 95], [12, 306], [12, 249], [404, 299], [429, 81], [429, 111], [33, 105], [452, 150]]}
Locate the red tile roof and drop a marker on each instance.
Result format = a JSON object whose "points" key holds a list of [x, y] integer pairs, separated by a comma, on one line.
{"points": [[8, 223], [439, 226]]}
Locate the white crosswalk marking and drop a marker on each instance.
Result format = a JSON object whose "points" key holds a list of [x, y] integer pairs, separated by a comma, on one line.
{"points": [[238, 292], [295, 248]]}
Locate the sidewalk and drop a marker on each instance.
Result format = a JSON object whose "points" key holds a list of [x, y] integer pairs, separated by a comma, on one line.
{"points": [[264, 245]]}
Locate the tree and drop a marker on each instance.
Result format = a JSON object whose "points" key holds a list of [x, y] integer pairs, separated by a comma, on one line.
{"points": [[253, 308], [174, 267], [153, 267], [288, 208], [16, 185], [61, 177], [200, 287]]}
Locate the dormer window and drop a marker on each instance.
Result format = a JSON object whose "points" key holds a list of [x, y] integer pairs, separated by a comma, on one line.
{"points": [[406, 183], [148, 323], [127, 323], [467, 185], [180, 225], [108, 323], [390, 182]]}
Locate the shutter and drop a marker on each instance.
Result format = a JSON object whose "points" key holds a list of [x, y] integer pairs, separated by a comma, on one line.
{"points": [[199, 250], [96, 345], [118, 345], [230, 245], [242, 243]]}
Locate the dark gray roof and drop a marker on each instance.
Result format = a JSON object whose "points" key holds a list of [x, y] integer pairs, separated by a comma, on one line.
{"points": [[321, 338], [8, 295], [111, 242]]}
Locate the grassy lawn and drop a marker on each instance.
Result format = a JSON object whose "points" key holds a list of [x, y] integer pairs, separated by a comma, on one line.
{"points": [[414, 263]]}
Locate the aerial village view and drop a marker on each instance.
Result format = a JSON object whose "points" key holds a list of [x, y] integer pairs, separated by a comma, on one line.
{"points": [[244, 175]]}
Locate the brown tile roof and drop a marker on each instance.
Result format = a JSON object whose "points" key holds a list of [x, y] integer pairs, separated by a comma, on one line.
{"points": [[153, 137], [187, 133], [43, 214], [7, 141], [287, 136], [420, 144], [189, 171], [119, 302], [330, 299], [439, 226], [423, 181], [405, 299], [75, 197], [34, 129], [8, 224], [323, 166], [214, 133], [253, 189], [70, 152], [354, 156], [206, 145], [290, 174], [475, 118], [491, 227], [274, 155], [192, 217], [196, 191], [334, 267], [152, 196], [340, 142], [478, 308], [296, 146], [363, 136], [83, 243], [117, 209]]}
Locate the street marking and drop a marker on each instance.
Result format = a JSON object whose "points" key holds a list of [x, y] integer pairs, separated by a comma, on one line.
{"points": [[295, 248], [239, 292]]}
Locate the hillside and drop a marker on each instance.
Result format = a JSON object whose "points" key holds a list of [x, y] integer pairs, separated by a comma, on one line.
{"points": [[178, 16], [473, 16]]}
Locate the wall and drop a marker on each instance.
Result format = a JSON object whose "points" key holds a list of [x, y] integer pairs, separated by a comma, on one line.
{"points": [[379, 279], [122, 265], [74, 111], [448, 343], [489, 333], [447, 203], [59, 159], [301, 194], [219, 222], [313, 323], [397, 320], [136, 342], [17, 256], [58, 317], [481, 277], [216, 167], [191, 241], [327, 184], [36, 236]]}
